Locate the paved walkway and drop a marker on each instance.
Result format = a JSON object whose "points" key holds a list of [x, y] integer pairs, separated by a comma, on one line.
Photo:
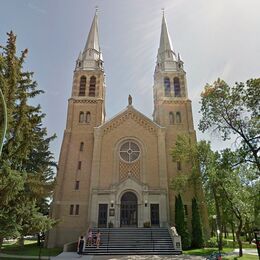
{"points": [[72, 256]]}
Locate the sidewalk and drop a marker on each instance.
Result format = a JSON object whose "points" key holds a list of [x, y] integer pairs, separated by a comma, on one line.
{"points": [[72, 256]]}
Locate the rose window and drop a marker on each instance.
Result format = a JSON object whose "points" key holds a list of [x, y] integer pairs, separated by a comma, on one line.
{"points": [[129, 151]]}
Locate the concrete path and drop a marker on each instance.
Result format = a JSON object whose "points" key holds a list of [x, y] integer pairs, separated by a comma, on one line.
{"points": [[72, 256], [247, 251]]}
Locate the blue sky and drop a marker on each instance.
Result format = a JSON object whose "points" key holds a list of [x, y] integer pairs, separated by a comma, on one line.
{"points": [[218, 38]]}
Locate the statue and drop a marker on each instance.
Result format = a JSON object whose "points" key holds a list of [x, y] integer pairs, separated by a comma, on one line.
{"points": [[129, 100]]}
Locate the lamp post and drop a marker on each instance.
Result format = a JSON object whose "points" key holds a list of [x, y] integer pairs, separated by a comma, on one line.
{"points": [[2, 100], [218, 232]]}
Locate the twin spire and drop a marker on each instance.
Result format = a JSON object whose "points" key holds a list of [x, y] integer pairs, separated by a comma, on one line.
{"points": [[92, 59]]}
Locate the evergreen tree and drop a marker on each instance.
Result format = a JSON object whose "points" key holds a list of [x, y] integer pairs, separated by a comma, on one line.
{"points": [[197, 234], [181, 223], [26, 164]]}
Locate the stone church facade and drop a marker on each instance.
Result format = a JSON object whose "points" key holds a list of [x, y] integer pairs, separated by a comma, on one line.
{"points": [[118, 172]]}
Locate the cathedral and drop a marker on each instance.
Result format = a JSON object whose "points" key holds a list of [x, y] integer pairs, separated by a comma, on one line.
{"points": [[118, 172]]}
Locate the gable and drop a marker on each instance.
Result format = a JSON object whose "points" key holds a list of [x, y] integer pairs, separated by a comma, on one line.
{"points": [[130, 114]]}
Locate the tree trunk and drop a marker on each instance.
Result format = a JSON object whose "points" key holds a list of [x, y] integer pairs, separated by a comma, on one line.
{"points": [[20, 241], [233, 232], [219, 221], [1, 243], [238, 232]]}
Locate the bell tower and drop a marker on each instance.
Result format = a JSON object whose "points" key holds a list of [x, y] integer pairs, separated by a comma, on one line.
{"points": [[171, 104], [86, 110]]}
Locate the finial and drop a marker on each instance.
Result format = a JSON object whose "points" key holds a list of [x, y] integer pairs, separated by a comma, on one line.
{"points": [[163, 11], [130, 100], [96, 9]]}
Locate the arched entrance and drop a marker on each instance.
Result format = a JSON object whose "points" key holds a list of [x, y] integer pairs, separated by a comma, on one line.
{"points": [[128, 216]]}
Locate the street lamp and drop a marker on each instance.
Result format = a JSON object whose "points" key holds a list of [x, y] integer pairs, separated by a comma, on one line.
{"points": [[218, 233]]}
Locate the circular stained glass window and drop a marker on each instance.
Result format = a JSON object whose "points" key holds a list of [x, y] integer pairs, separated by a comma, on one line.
{"points": [[129, 151]]}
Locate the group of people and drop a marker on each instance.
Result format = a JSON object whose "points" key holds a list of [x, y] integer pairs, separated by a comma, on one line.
{"points": [[90, 238]]}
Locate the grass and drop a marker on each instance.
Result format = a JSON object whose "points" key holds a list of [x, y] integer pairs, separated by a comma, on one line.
{"points": [[30, 249], [206, 251]]}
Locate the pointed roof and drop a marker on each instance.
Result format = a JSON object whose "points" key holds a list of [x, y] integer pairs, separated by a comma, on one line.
{"points": [[165, 40], [93, 36]]}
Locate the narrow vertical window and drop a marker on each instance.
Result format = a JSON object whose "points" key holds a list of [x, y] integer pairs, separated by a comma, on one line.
{"points": [[82, 86], [178, 117], [71, 209], [77, 210], [81, 117], [177, 88], [171, 118], [77, 185], [81, 147], [186, 209], [179, 166], [167, 87], [88, 117], [92, 87], [79, 165]]}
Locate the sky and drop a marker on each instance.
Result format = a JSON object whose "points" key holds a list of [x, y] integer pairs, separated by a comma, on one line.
{"points": [[217, 38]]}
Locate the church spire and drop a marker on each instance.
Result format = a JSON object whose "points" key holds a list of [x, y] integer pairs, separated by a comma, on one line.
{"points": [[166, 57], [93, 36], [91, 58]]}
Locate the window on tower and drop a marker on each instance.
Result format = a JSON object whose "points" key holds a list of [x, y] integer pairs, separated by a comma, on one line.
{"points": [[81, 146], [171, 118], [81, 117], [82, 86], [88, 117], [167, 87], [92, 87], [178, 117], [71, 209], [177, 88]]}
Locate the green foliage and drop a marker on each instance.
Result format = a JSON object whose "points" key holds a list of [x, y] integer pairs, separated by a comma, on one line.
{"points": [[181, 223], [26, 165], [234, 111], [197, 234]]}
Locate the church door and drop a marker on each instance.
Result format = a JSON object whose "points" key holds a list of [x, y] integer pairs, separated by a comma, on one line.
{"points": [[155, 221], [102, 215], [128, 210]]}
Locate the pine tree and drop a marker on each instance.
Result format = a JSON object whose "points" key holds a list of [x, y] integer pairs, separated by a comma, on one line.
{"points": [[197, 240], [181, 223], [26, 164]]}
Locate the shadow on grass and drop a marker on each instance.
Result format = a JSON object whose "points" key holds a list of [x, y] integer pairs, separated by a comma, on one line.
{"points": [[30, 249]]}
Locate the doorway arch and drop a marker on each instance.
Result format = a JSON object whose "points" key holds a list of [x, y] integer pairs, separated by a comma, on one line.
{"points": [[128, 211]]}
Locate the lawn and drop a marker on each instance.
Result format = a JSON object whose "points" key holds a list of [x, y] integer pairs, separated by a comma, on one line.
{"points": [[30, 249], [206, 251]]}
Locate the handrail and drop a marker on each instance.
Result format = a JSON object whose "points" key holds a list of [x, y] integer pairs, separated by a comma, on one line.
{"points": [[152, 239], [108, 237]]}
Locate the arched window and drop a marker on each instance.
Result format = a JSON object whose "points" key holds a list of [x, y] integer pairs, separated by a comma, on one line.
{"points": [[171, 118], [81, 146], [167, 87], [92, 86], [81, 117], [177, 88], [178, 117], [82, 86], [88, 117]]}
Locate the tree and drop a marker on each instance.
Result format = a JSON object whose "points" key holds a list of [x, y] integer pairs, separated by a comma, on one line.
{"points": [[234, 110], [181, 223], [197, 240], [26, 165]]}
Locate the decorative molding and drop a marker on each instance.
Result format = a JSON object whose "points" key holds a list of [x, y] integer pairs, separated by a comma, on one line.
{"points": [[130, 115], [129, 169]]}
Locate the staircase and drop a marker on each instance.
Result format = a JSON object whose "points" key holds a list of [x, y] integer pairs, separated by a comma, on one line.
{"points": [[133, 241]]}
